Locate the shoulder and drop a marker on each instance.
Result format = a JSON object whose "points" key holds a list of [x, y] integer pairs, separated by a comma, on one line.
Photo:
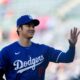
{"points": [[47, 48], [38, 44], [8, 47], [43, 46]]}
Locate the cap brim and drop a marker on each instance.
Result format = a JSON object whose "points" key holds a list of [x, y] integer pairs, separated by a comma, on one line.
{"points": [[35, 22]]}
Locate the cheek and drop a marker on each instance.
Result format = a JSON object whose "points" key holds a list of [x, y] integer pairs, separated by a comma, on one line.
{"points": [[25, 30]]}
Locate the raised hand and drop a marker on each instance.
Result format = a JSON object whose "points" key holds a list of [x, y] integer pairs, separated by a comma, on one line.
{"points": [[74, 36]]}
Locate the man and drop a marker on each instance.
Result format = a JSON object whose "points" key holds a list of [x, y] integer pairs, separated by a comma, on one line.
{"points": [[26, 60]]}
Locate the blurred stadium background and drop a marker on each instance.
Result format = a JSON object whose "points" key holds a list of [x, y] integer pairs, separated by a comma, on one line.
{"points": [[56, 17]]}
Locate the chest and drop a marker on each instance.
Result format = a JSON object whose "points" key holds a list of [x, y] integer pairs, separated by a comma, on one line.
{"points": [[26, 59]]}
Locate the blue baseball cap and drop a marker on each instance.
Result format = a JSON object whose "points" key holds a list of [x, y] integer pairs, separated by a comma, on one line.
{"points": [[25, 19]]}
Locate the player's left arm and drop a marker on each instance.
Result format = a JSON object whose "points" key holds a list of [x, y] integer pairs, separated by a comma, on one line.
{"points": [[69, 55]]}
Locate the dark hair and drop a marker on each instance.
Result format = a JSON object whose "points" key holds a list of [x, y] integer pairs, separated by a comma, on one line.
{"points": [[17, 32], [19, 27]]}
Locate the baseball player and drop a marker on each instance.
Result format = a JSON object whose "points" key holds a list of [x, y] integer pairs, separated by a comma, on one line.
{"points": [[26, 60]]}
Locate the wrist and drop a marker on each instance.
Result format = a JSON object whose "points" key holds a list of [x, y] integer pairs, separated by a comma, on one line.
{"points": [[71, 43]]}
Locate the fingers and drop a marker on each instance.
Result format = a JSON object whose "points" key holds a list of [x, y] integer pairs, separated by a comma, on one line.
{"points": [[71, 33], [75, 32], [78, 33], [74, 35]]}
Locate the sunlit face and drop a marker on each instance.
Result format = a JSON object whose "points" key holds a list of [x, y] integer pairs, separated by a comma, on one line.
{"points": [[27, 31]]}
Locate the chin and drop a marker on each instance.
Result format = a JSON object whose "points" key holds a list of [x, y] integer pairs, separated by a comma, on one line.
{"points": [[30, 37]]}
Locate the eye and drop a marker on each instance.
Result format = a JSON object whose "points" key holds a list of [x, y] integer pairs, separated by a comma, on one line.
{"points": [[31, 25]]}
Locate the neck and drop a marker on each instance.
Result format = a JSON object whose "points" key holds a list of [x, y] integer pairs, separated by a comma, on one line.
{"points": [[25, 42]]}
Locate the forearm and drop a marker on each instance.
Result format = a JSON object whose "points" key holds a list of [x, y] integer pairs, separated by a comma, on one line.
{"points": [[68, 56]]}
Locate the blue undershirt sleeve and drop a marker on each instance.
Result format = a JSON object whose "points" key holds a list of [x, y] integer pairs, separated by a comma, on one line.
{"points": [[68, 56], [58, 56]]}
